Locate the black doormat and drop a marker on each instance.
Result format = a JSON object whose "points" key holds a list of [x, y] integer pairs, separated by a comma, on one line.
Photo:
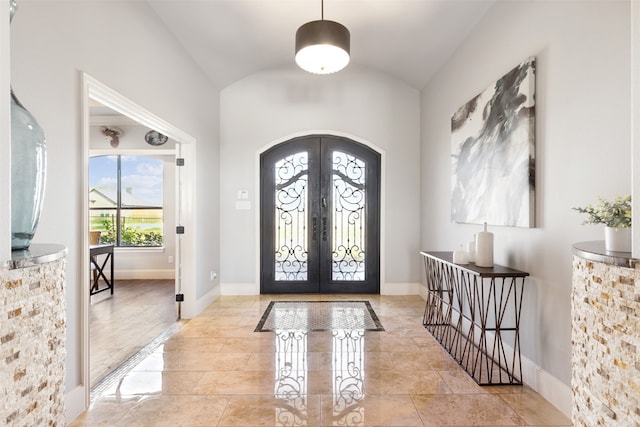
{"points": [[319, 316]]}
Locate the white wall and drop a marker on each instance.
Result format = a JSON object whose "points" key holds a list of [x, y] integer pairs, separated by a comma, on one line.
{"points": [[123, 45], [274, 105], [582, 150]]}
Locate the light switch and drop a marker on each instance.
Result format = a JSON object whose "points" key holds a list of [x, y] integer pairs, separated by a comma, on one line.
{"points": [[243, 194]]}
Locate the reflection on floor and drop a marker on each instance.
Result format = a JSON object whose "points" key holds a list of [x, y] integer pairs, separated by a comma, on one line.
{"points": [[215, 371], [123, 323]]}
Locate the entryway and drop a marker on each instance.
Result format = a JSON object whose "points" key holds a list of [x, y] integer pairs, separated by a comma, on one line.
{"points": [[136, 310], [320, 217]]}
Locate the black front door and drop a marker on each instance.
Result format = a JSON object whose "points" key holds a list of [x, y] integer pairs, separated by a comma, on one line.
{"points": [[320, 217]]}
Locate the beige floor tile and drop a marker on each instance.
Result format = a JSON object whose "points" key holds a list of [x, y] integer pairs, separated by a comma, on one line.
{"points": [[426, 341], [460, 382], [316, 342], [310, 361], [137, 383], [230, 331], [398, 361], [106, 411], [507, 389], [369, 410], [195, 344], [259, 342], [250, 322], [465, 410], [272, 411], [211, 361], [386, 342], [335, 382], [180, 382], [534, 409], [405, 382], [240, 382], [174, 411], [439, 359]]}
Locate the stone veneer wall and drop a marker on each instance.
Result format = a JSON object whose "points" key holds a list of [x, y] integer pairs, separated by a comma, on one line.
{"points": [[605, 344], [32, 345]]}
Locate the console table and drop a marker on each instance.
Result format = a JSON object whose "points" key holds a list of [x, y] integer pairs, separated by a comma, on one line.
{"points": [[474, 313]]}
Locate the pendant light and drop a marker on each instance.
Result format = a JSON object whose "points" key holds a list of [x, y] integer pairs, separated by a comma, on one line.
{"points": [[322, 47]]}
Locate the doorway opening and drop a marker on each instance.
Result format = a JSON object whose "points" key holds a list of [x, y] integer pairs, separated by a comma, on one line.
{"points": [[132, 212], [320, 217], [138, 229]]}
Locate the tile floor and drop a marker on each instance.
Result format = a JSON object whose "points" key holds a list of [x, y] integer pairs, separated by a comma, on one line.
{"points": [[215, 371]]}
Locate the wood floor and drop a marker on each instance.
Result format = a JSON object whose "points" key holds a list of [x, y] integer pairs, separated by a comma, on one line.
{"points": [[123, 323]]}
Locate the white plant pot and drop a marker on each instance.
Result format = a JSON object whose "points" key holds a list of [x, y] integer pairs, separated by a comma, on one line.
{"points": [[617, 239]]}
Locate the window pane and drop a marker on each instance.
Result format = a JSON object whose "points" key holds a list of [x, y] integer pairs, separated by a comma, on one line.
{"points": [[141, 187], [103, 182], [141, 227], [291, 176], [141, 181], [349, 219], [104, 221]]}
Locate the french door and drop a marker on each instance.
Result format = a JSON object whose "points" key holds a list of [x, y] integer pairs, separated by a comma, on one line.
{"points": [[320, 217]]}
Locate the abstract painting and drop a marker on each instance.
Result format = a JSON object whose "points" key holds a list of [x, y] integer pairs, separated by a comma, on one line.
{"points": [[493, 153]]}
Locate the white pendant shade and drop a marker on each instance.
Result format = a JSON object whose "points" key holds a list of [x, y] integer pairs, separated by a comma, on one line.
{"points": [[322, 47]]}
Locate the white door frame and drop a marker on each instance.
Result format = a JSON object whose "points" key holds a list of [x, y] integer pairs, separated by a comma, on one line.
{"points": [[185, 204]]}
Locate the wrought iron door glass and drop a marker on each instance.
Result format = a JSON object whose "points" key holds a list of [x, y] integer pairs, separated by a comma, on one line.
{"points": [[291, 258], [349, 219], [319, 217]]}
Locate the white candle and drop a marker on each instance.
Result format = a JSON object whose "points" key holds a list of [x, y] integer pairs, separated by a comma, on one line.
{"points": [[484, 248]]}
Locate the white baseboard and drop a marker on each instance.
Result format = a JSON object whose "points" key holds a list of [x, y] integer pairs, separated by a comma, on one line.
{"points": [[201, 303], [145, 274], [254, 289], [399, 288], [422, 291], [239, 289], [74, 403], [546, 385]]}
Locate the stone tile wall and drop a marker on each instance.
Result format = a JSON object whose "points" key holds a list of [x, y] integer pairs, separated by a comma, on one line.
{"points": [[605, 344], [32, 345]]}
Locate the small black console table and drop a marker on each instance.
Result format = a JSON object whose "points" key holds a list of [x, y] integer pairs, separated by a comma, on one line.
{"points": [[99, 268], [474, 313]]}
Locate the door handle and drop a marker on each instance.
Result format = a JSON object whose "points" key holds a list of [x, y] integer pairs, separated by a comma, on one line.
{"points": [[314, 228], [324, 202], [324, 228]]}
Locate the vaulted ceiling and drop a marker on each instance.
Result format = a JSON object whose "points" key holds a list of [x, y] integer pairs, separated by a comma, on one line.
{"points": [[408, 39]]}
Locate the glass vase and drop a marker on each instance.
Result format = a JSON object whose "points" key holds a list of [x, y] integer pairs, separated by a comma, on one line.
{"points": [[28, 174]]}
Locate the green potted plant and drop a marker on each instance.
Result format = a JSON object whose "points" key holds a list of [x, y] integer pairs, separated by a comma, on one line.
{"points": [[616, 217]]}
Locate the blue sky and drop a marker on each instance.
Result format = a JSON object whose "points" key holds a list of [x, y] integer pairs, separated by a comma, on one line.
{"points": [[142, 174]]}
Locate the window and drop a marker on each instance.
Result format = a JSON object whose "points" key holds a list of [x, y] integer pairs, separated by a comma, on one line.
{"points": [[125, 200]]}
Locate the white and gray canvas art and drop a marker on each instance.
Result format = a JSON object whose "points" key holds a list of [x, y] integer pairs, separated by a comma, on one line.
{"points": [[493, 153]]}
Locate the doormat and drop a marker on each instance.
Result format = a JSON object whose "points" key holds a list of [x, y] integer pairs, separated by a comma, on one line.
{"points": [[319, 316]]}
